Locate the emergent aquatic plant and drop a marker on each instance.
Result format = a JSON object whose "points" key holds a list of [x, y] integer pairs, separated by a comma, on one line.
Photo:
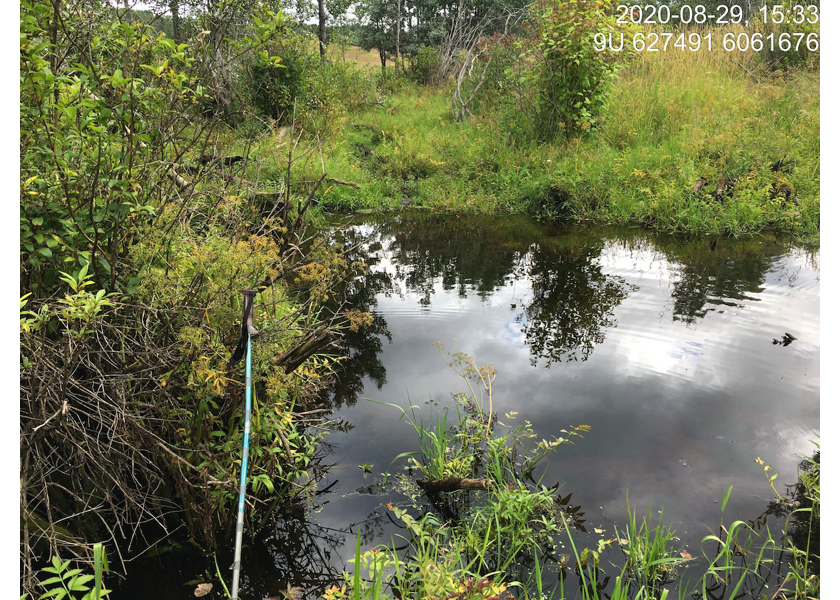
{"points": [[489, 526], [489, 514], [651, 558]]}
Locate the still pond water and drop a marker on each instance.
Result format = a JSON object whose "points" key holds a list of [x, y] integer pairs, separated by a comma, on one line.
{"points": [[662, 345]]}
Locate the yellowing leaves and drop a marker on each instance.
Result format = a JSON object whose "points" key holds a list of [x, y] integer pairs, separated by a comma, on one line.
{"points": [[357, 319], [335, 593]]}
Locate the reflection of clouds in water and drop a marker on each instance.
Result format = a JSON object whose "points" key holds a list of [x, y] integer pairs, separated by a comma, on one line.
{"points": [[688, 350], [642, 347], [786, 438], [513, 332], [635, 262], [678, 409], [711, 347], [796, 270], [687, 358]]}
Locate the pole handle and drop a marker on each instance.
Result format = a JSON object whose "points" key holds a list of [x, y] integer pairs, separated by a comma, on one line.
{"points": [[248, 317]]}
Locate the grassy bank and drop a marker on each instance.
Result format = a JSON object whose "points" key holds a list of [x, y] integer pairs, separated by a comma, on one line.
{"points": [[690, 142]]}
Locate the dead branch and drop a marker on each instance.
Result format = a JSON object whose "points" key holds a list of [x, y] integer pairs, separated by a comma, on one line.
{"points": [[340, 182], [183, 185], [453, 484], [315, 342], [462, 107]]}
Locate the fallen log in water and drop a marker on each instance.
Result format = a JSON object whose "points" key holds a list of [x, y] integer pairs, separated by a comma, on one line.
{"points": [[453, 484]]}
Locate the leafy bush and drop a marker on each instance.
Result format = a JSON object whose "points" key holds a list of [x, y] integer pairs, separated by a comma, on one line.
{"points": [[423, 66], [134, 241], [547, 82], [67, 583], [570, 79], [390, 81], [280, 73], [288, 81], [93, 141], [350, 86]]}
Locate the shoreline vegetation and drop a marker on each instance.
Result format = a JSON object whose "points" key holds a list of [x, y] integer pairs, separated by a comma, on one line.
{"points": [[689, 144], [496, 543], [171, 158]]}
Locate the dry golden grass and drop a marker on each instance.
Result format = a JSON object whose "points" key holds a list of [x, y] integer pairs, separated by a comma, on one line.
{"points": [[363, 58], [687, 63], [366, 59]]}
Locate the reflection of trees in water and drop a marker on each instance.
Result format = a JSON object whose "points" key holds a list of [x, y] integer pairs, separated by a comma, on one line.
{"points": [[361, 349], [301, 554], [573, 301], [573, 304], [462, 254], [724, 273], [425, 250]]}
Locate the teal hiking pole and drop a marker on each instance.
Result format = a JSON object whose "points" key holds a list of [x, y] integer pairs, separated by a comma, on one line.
{"points": [[244, 346]]}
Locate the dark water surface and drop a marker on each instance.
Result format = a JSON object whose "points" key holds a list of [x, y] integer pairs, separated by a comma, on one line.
{"points": [[663, 345]]}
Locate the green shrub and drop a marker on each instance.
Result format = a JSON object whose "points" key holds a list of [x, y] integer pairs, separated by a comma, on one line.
{"points": [[571, 80], [126, 212], [92, 142], [287, 80], [349, 86], [422, 66], [281, 82]]}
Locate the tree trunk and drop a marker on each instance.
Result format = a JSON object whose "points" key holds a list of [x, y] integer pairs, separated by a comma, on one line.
{"points": [[176, 20], [399, 27], [219, 72], [322, 30], [383, 58]]}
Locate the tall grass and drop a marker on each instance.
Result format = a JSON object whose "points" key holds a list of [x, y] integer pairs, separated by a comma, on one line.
{"points": [[691, 141], [740, 561]]}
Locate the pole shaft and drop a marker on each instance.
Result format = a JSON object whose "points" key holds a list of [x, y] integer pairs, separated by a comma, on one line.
{"points": [[243, 479]]}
